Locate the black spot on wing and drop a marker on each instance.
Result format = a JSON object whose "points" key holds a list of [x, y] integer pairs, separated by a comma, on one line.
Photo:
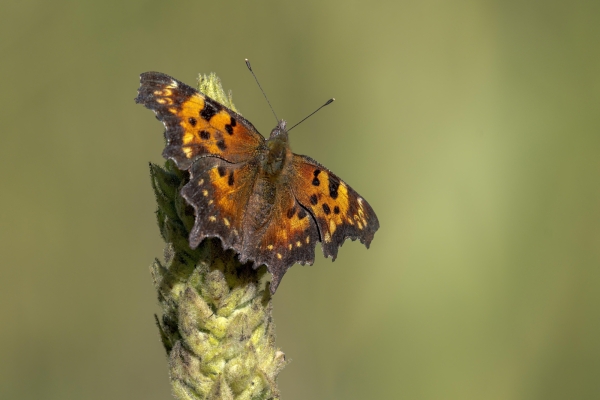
{"points": [[221, 145], [326, 209], [205, 135], [209, 110], [314, 200], [301, 213], [334, 184], [315, 180], [291, 212], [230, 180], [221, 170], [230, 125]]}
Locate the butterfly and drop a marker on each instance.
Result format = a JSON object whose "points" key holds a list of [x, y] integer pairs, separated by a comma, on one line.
{"points": [[269, 205]]}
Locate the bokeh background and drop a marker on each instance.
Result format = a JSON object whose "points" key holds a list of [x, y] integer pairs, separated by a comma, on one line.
{"points": [[472, 127]]}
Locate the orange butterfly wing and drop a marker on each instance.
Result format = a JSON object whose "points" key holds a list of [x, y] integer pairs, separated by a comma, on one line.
{"points": [[339, 211], [196, 125], [220, 191], [279, 232]]}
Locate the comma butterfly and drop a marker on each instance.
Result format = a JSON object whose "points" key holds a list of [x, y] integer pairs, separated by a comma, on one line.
{"points": [[268, 204]]}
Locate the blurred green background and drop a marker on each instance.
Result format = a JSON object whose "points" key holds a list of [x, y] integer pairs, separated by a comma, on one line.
{"points": [[472, 127]]}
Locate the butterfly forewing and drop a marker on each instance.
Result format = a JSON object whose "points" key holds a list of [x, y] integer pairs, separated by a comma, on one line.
{"points": [[195, 124]]}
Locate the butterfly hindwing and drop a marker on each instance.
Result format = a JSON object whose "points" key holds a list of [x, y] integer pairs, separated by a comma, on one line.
{"points": [[279, 232], [219, 191], [340, 212], [195, 124]]}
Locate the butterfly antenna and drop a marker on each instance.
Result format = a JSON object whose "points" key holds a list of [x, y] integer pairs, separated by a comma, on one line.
{"points": [[261, 89], [326, 104]]}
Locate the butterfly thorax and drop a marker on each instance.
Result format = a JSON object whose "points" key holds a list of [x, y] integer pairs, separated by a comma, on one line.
{"points": [[278, 151]]}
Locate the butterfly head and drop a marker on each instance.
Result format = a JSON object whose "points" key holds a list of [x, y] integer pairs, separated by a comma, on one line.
{"points": [[279, 129]]}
